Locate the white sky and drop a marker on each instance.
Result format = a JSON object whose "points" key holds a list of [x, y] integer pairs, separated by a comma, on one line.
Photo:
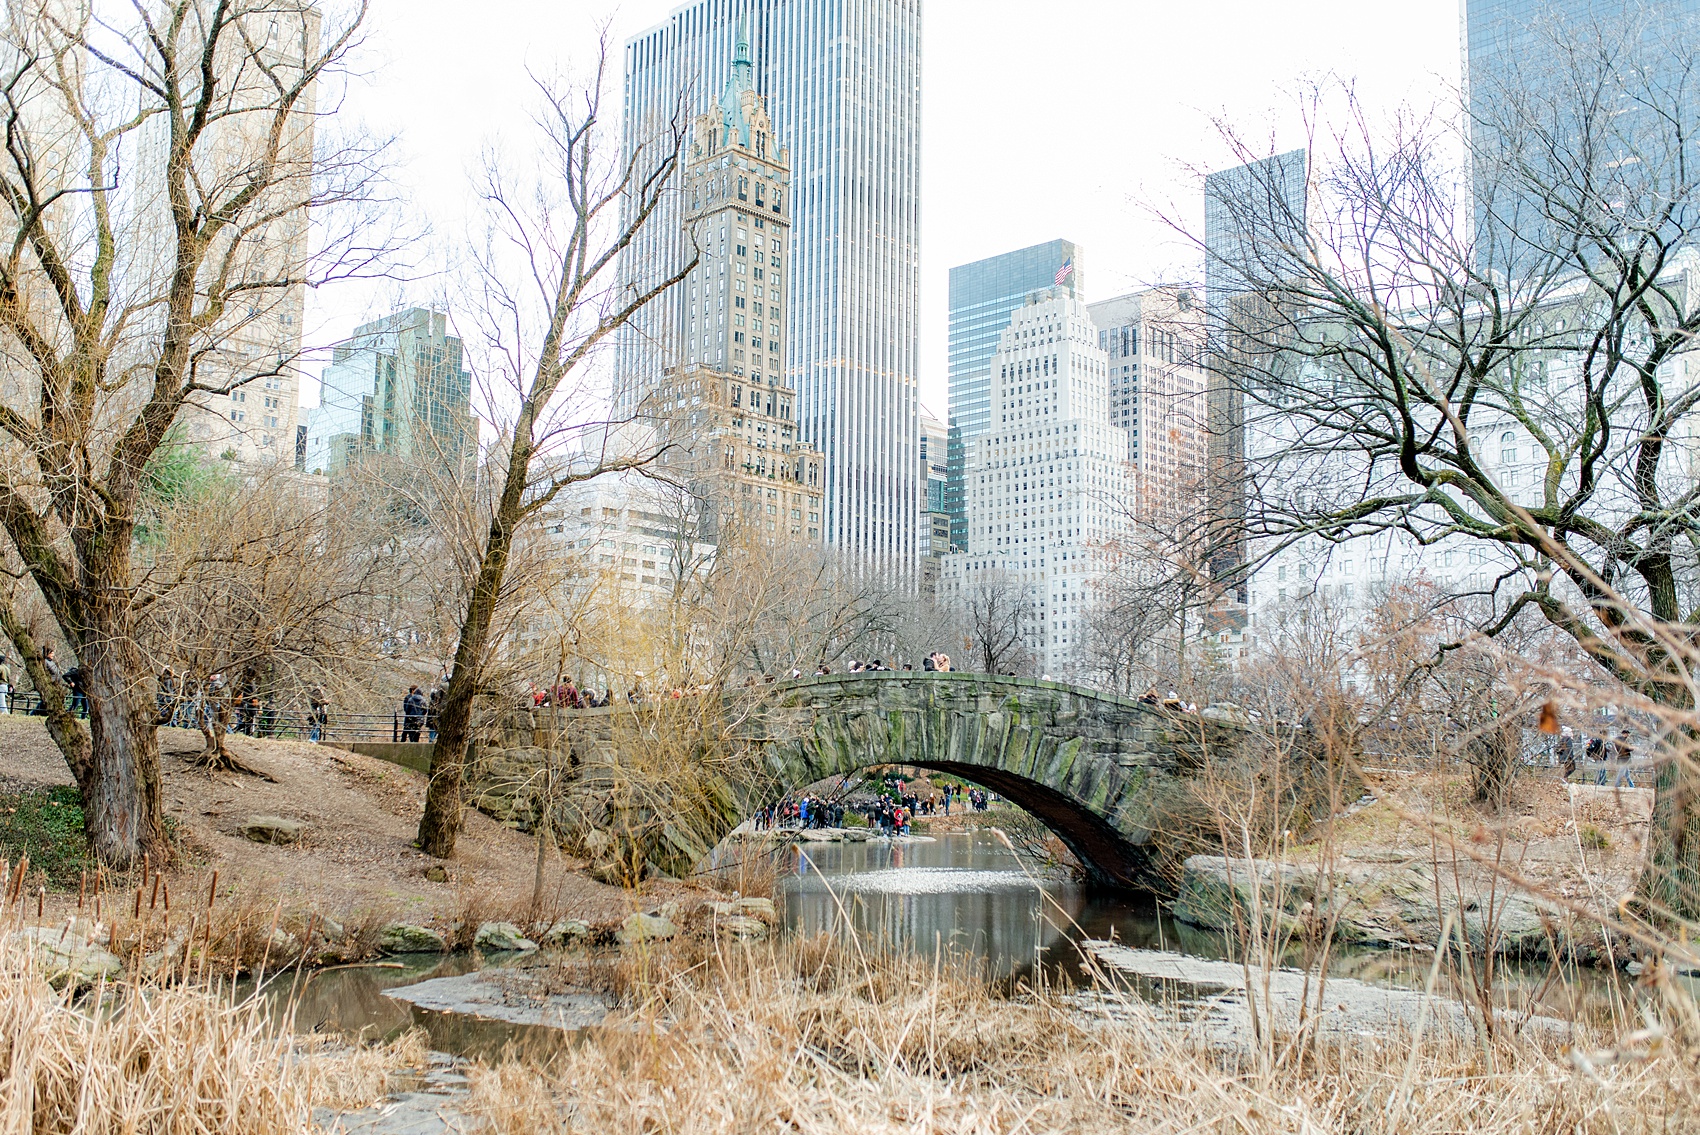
{"points": [[1041, 118]]}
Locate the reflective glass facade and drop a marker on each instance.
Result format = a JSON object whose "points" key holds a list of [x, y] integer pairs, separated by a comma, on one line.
{"points": [[842, 80], [983, 297], [1512, 46]]}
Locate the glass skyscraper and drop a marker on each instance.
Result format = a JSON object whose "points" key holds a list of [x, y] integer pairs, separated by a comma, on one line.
{"points": [[1261, 201], [842, 80], [983, 297], [1514, 48]]}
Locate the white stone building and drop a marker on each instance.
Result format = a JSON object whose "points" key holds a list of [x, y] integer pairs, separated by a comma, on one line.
{"points": [[1042, 489]]}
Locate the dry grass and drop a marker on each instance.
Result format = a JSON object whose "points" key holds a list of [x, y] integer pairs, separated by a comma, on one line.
{"points": [[811, 1037], [160, 1060]]}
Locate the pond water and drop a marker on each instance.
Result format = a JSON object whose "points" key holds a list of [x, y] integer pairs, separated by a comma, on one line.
{"points": [[961, 892], [966, 892]]}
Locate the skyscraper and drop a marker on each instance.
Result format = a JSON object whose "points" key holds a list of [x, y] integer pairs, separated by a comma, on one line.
{"points": [[1245, 206], [983, 296], [731, 413], [1152, 339], [1045, 477], [396, 389], [842, 83], [1517, 49]]}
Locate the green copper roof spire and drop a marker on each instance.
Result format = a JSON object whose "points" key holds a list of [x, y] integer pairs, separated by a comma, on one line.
{"points": [[742, 79]]}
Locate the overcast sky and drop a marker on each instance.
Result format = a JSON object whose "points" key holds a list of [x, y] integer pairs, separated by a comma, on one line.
{"points": [[1061, 118]]}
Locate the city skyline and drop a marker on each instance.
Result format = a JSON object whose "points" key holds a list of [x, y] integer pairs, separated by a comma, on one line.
{"points": [[1239, 60]]}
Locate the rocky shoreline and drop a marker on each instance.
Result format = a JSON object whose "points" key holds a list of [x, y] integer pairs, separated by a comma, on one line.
{"points": [[1401, 905]]}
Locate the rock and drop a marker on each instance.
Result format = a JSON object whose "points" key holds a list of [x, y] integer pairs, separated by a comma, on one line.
{"points": [[646, 928], [720, 909], [1386, 905], [331, 929], [566, 932], [62, 956], [820, 835], [741, 927], [405, 938], [756, 908], [283, 944], [272, 829], [436, 874], [501, 937]]}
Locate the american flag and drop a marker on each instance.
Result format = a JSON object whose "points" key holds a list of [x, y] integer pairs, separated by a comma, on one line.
{"points": [[1065, 271]]}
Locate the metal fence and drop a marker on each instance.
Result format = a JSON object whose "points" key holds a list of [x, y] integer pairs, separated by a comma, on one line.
{"points": [[260, 721]]}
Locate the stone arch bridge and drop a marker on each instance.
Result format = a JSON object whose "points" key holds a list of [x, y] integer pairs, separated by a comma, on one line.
{"points": [[1103, 772]]}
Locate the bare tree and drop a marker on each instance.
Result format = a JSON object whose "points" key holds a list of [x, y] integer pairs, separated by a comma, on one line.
{"points": [[157, 177], [992, 615], [549, 301], [1492, 356]]}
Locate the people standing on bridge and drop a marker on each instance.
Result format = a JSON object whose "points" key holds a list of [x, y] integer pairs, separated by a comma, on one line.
{"points": [[412, 715]]}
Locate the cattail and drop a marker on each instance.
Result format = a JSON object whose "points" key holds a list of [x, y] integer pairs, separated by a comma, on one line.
{"points": [[40, 901], [153, 900], [167, 898], [138, 911]]}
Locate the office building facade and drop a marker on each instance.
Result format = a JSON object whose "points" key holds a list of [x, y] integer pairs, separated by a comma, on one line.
{"points": [[397, 390], [983, 296], [1257, 202], [841, 83], [1153, 340]]}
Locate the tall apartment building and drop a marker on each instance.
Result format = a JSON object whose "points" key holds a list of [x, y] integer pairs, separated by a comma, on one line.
{"points": [[983, 296], [728, 409], [842, 84], [1043, 489], [1261, 200], [258, 420], [397, 389], [1153, 341]]}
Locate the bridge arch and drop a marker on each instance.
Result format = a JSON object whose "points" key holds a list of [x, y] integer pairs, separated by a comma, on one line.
{"points": [[1100, 770]]}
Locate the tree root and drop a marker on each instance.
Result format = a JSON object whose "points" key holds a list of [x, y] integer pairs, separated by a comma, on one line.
{"points": [[221, 760]]}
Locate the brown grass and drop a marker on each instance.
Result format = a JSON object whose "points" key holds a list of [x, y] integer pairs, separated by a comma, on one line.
{"points": [[159, 1060], [812, 1037]]}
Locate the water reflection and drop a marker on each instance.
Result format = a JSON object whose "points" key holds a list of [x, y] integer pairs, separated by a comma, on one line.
{"points": [[967, 892], [963, 892]]}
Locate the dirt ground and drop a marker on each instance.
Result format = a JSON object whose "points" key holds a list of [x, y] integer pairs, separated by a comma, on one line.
{"points": [[355, 860]]}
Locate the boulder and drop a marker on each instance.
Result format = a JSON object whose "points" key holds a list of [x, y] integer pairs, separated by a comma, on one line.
{"points": [[272, 829], [566, 932], [756, 908], [1395, 904], [501, 937], [646, 928], [741, 927], [65, 957], [405, 938]]}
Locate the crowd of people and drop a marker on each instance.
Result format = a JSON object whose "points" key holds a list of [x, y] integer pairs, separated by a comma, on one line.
{"points": [[891, 812]]}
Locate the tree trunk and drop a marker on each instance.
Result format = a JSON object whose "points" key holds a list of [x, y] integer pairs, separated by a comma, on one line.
{"points": [[1671, 880], [440, 825], [123, 812]]}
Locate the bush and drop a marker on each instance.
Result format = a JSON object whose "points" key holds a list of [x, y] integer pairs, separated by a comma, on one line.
{"points": [[1593, 838], [47, 825]]}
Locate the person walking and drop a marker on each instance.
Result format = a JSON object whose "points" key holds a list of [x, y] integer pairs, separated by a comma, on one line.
{"points": [[1623, 751], [412, 715], [433, 713], [5, 686], [318, 714], [166, 699]]}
